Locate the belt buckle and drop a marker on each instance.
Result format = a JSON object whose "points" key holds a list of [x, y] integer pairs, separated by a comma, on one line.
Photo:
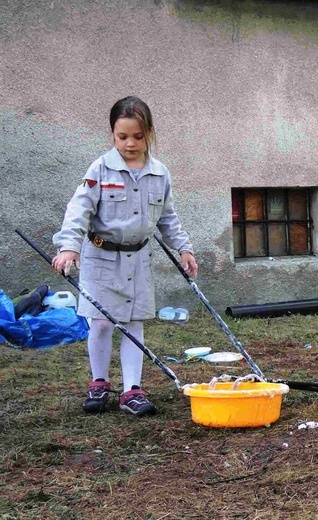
{"points": [[98, 242]]}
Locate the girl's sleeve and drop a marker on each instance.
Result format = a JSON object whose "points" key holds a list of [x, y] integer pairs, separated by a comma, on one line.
{"points": [[169, 224], [82, 206]]}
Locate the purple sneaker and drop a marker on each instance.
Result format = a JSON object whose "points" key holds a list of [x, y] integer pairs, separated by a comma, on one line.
{"points": [[135, 402], [97, 397]]}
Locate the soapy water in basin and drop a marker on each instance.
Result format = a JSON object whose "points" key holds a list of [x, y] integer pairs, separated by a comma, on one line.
{"points": [[242, 385], [247, 402], [225, 378]]}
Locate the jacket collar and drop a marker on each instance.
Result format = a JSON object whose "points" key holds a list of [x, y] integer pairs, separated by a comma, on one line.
{"points": [[115, 161]]}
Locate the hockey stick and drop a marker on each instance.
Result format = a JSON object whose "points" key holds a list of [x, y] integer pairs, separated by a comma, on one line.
{"points": [[296, 385], [204, 300], [98, 306], [310, 386]]}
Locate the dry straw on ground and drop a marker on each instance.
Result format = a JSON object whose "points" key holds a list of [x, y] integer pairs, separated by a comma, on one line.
{"points": [[58, 463]]}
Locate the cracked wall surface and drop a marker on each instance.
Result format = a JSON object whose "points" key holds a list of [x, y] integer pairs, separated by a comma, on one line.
{"points": [[233, 91]]}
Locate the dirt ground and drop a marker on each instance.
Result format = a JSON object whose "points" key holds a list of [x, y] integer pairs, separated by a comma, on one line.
{"points": [[65, 465]]}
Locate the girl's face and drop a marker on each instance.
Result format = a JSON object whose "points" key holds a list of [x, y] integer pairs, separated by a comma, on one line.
{"points": [[130, 141]]}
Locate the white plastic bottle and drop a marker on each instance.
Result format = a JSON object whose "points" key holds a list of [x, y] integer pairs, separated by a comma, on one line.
{"points": [[59, 300]]}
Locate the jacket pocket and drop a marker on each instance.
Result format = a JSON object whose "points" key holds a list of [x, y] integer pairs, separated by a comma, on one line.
{"points": [[91, 251], [155, 204], [98, 264], [114, 202]]}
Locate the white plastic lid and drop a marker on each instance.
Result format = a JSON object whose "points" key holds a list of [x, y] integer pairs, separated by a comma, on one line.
{"points": [[223, 357]]}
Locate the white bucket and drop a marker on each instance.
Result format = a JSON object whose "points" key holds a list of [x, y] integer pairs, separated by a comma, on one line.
{"points": [[59, 300]]}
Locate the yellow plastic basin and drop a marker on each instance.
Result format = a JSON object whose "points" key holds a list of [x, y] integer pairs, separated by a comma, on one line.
{"points": [[250, 405]]}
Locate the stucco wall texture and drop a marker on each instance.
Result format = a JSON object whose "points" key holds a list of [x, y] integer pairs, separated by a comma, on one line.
{"points": [[233, 90]]}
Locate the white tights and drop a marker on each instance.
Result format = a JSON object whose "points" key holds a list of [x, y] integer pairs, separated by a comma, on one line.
{"points": [[100, 351]]}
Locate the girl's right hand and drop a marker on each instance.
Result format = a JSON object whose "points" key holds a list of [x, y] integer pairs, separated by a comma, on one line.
{"points": [[64, 261]]}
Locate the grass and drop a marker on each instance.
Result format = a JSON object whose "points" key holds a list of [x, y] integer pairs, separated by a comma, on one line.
{"points": [[58, 463]]}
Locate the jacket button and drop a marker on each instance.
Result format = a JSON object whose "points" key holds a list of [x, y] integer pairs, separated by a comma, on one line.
{"points": [[159, 200], [129, 254], [128, 301], [130, 278], [111, 196], [136, 212], [136, 189]]}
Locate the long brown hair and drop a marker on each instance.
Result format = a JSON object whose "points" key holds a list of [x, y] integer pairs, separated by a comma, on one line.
{"points": [[133, 107]]}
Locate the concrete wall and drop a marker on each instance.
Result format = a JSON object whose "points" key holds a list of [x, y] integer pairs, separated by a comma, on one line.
{"points": [[233, 90]]}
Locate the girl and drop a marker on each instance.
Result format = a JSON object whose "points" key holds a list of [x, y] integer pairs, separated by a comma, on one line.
{"points": [[124, 195]]}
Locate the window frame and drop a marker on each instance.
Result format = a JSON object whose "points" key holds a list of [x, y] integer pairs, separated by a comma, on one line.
{"points": [[265, 222]]}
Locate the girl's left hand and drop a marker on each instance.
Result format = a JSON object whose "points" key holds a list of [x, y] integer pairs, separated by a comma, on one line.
{"points": [[189, 264]]}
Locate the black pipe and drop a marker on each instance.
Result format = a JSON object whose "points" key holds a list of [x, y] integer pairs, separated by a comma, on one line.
{"points": [[272, 310]]}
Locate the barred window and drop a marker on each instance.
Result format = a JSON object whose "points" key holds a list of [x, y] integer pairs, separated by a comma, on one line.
{"points": [[271, 222]]}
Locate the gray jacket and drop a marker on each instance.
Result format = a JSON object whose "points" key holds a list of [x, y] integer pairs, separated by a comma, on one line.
{"points": [[112, 204]]}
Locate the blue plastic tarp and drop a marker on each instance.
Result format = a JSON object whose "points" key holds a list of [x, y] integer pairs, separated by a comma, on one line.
{"points": [[47, 329]]}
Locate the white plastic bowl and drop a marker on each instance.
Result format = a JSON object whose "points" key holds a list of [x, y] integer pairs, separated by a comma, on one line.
{"points": [[197, 351]]}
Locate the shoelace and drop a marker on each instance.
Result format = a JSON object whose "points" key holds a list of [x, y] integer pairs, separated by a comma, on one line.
{"points": [[97, 391], [141, 398], [137, 400]]}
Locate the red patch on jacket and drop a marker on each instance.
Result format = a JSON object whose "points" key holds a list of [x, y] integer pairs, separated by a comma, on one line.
{"points": [[112, 185], [90, 183]]}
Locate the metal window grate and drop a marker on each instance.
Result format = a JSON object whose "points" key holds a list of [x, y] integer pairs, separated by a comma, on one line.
{"points": [[271, 222]]}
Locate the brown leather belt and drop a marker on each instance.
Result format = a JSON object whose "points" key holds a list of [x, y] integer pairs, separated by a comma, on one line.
{"points": [[112, 246]]}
